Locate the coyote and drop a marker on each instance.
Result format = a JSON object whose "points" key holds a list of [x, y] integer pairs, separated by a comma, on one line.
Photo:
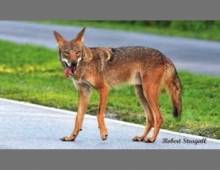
{"points": [[100, 68]]}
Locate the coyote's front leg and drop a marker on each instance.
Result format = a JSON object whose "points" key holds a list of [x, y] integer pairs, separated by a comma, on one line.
{"points": [[103, 93], [84, 93]]}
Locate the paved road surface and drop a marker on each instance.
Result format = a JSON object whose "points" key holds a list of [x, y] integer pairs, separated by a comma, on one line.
{"points": [[29, 126], [188, 54]]}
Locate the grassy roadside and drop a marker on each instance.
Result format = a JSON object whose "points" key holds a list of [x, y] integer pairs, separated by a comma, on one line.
{"points": [[33, 74], [176, 29]]}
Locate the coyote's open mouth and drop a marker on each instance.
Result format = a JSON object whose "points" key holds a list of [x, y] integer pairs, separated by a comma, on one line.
{"points": [[69, 71]]}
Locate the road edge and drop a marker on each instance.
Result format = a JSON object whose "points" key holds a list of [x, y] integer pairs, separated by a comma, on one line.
{"points": [[111, 120]]}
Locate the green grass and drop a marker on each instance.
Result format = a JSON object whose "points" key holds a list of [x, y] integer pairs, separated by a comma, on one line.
{"points": [[34, 74], [192, 29]]}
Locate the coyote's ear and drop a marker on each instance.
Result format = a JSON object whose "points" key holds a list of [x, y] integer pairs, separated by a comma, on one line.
{"points": [[80, 36], [60, 40]]}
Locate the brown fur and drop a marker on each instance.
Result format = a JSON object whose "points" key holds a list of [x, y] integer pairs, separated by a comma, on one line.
{"points": [[102, 68]]}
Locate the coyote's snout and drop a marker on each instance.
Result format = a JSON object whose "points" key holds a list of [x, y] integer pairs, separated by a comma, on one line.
{"points": [[102, 68]]}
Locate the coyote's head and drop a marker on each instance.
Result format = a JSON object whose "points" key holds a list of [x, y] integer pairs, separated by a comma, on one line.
{"points": [[70, 52]]}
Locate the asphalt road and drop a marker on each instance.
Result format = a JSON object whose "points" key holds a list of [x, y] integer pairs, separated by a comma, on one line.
{"points": [[188, 54], [30, 126]]}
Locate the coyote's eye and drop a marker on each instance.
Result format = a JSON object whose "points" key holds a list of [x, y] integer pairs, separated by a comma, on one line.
{"points": [[66, 53], [77, 53]]}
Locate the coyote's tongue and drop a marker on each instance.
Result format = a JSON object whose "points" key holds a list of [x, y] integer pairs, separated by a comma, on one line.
{"points": [[68, 72]]}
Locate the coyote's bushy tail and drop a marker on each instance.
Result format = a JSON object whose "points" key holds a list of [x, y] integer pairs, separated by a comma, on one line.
{"points": [[174, 88]]}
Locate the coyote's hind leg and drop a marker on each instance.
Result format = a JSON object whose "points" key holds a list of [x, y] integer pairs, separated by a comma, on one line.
{"points": [[148, 114]]}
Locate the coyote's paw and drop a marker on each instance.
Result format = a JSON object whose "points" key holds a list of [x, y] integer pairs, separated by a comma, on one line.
{"points": [[149, 140], [104, 134], [138, 138], [69, 138]]}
